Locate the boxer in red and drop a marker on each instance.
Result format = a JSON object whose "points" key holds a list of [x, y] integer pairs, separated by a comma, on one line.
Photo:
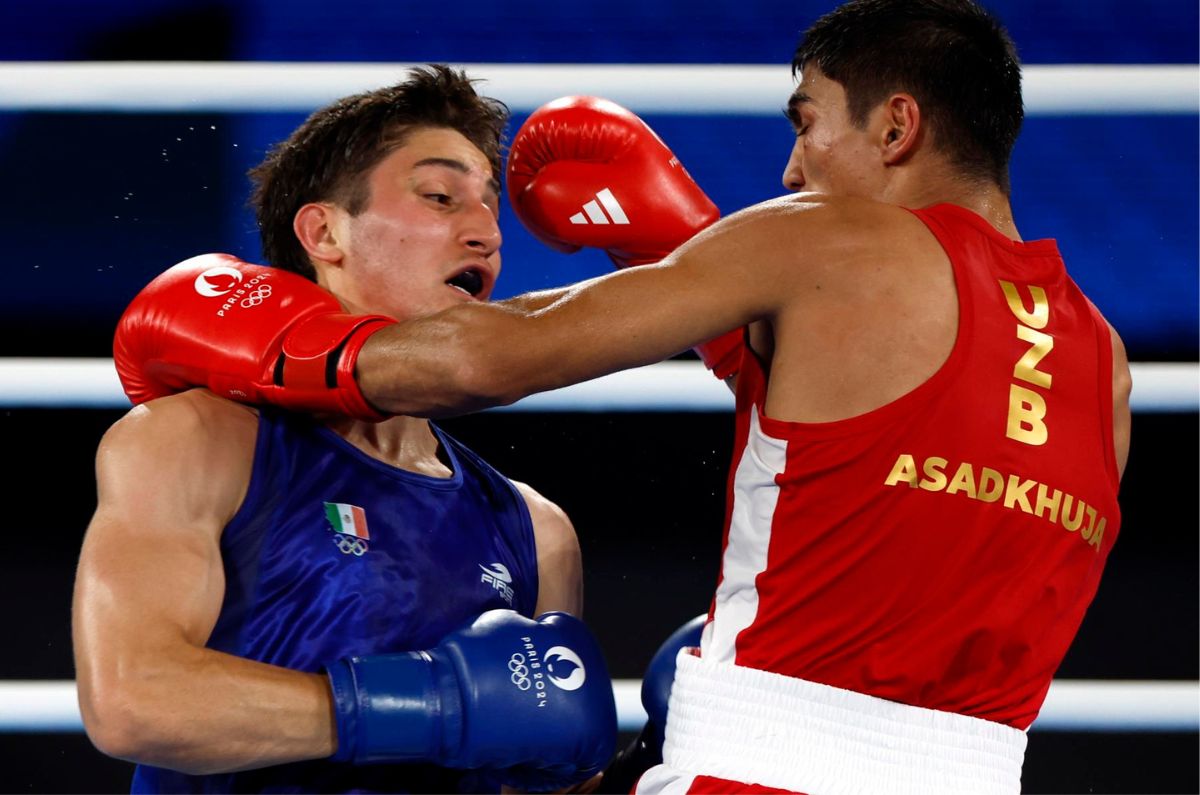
{"points": [[932, 419]]}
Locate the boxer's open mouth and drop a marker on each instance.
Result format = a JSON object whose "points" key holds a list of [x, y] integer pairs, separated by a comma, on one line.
{"points": [[469, 281]]}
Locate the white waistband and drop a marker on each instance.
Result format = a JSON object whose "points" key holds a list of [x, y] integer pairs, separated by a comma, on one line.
{"points": [[758, 727]]}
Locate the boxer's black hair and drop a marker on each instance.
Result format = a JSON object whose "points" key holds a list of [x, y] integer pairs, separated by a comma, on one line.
{"points": [[330, 155], [955, 59]]}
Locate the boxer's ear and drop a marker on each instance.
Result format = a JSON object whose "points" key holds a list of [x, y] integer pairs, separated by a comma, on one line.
{"points": [[900, 128], [319, 228]]}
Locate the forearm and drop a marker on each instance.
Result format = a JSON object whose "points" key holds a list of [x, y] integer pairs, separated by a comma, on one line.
{"points": [[722, 355], [476, 356], [532, 302], [203, 711], [434, 366]]}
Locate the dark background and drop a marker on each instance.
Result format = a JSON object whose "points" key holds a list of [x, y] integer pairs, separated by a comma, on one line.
{"points": [[96, 204], [644, 493]]}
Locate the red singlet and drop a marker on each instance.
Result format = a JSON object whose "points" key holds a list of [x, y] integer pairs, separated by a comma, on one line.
{"points": [[941, 550]]}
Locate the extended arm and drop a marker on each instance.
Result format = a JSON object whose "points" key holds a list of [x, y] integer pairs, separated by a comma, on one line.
{"points": [[475, 356], [255, 334]]}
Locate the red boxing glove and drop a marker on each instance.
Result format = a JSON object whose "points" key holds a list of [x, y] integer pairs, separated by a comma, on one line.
{"points": [[586, 172], [723, 355], [247, 332], [583, 171]]}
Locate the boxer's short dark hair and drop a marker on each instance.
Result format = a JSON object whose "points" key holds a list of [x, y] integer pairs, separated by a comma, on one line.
{"points": [[330, 155], [954, 57]]}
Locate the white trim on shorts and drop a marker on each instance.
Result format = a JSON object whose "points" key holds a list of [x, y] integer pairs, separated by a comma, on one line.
{"points": [[758, 727]]}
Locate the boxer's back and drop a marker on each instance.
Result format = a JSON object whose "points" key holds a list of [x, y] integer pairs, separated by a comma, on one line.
{"points": [[939, 550]]}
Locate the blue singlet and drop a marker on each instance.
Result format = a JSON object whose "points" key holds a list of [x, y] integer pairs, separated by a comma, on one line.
{"points": [[334, 553]]}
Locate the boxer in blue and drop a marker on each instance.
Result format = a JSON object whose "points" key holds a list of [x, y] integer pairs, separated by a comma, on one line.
{"points": [[271, 602]]}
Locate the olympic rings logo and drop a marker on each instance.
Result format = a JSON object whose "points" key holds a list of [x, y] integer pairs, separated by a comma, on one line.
{"points": [[348, 545], [255, 298], [520, 672]]}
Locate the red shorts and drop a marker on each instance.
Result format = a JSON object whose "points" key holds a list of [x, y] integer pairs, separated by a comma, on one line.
{"points": [[664, 779], [714, 786]]}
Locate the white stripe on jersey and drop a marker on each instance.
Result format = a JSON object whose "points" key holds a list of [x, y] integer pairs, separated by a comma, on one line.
{"points": [[755, 495]]}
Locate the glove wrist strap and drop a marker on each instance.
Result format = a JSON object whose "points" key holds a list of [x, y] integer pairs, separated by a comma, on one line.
{"points": [[388, 708], [316, 365]]}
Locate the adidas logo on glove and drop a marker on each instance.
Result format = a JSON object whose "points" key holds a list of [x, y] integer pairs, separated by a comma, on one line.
{"points": [[593, 211]]}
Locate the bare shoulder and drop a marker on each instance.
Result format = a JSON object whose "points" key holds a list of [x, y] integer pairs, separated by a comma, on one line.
{"points": [[552, 527], [560, 565], [190, 423], [845, 274], [194, 450], [821, 215], [803, 234], [851, 225]]}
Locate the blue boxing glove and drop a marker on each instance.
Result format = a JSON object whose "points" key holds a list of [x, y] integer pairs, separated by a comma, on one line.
{"points": [[646, 749], [660, 673], [529, 700]]}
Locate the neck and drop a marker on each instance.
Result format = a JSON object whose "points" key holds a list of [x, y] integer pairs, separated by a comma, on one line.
{"points": [[404, 442], [986, 200]]}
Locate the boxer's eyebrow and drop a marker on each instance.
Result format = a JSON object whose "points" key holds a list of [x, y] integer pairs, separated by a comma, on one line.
{"points": [[797, 99], [456, 165]]}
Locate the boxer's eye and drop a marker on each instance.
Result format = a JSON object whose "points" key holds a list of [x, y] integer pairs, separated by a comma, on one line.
{"points": [[469, 281]]}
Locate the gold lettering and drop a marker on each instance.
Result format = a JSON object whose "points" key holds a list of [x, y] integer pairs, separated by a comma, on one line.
{"points": [[935, 478], [1017, 493], [1072, 523], [1041, 307], [1026, 367], [1026, 409], [1087, 531], [964, 480], [1053, 505], [991, 485], [904, 470], [1050, 503]]}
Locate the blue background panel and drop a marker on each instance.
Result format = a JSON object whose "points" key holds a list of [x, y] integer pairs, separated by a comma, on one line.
{"points": [[98, 204], [615, 31], [103, 203]]}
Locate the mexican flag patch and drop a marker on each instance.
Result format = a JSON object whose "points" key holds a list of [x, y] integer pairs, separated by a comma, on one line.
{"points": [[347, 519]]}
